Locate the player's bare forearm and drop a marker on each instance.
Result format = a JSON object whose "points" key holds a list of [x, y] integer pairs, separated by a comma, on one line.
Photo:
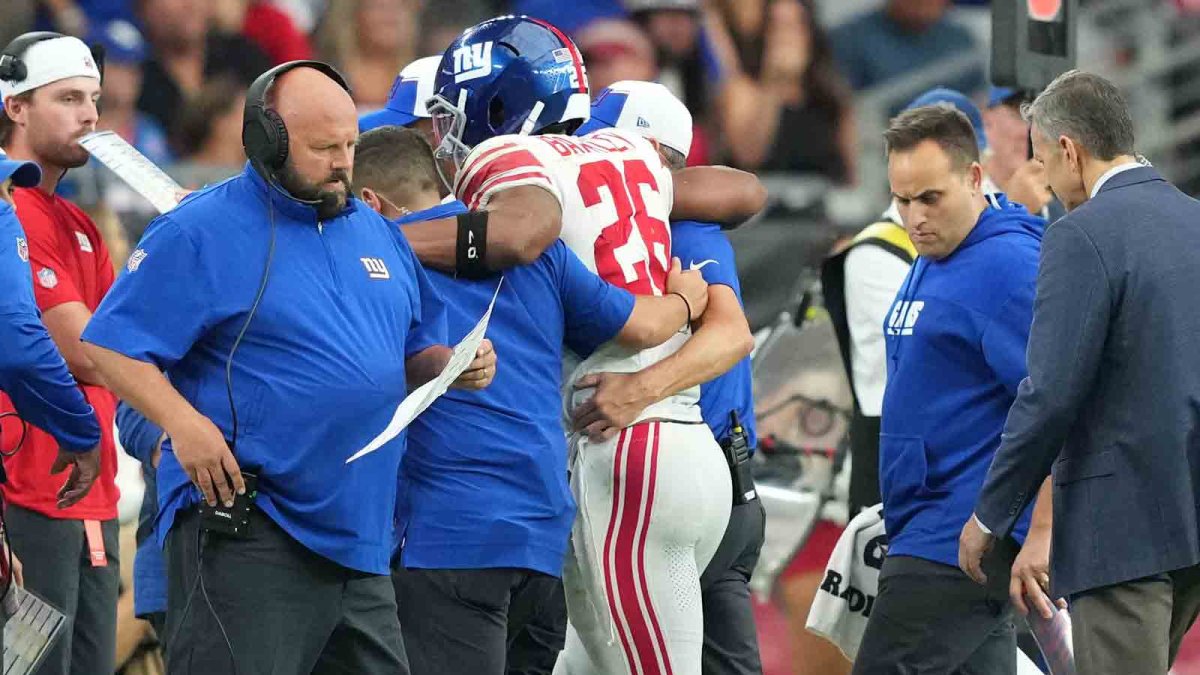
{"points": [[143, 386], [655, 318], [65, 324], [522, 223], [722, 338], [434, 242], [426, 365], [717, 194]]}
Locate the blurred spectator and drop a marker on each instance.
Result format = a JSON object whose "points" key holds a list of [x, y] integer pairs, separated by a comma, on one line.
{"points": [[304, 13], [900, 38], [125, 51], [270, 28], [442, 22], [185, 54], [370, 41], [616, 50], [1008, 132], [208, 135], [16, 17], [569, 16], [80, 17], [783, 106], [674, 28], [687, 65]]}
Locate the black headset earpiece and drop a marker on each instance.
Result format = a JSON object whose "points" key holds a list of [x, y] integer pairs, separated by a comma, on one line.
{"points": [[12, 68], [264, 135]]}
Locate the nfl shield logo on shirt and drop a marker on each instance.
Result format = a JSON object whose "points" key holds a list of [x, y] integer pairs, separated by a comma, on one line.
{"points": [[135, 260], [47, 278], [22, 249]]}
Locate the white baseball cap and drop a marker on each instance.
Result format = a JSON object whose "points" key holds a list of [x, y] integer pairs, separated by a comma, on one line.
{"points": [[48, 61], [406, 103], [645, 108]]}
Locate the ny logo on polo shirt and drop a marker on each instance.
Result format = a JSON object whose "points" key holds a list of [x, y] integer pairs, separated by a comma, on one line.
{"points": [[375, 268]]}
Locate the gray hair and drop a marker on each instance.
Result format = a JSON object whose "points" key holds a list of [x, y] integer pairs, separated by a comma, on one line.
{"points": [[1086, 108]]}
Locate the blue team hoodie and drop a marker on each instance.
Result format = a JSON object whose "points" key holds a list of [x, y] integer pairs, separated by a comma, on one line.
{"points": [[956, 338]]}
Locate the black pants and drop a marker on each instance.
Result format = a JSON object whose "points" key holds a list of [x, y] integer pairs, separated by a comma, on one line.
{"points": [[55, 557], [730, 635], [932, 619], [1134, 627], [285, 609], [864, 462], [481, 621]]}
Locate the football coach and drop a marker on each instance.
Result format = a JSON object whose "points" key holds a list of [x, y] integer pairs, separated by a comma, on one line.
{"points": [[290, 323]]}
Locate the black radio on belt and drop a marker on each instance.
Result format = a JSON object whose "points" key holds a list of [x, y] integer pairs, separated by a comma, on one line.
{"points": [[737, 455], [233, 521]]}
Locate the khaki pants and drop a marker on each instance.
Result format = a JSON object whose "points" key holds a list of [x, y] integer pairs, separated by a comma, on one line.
{"points": [[1135, 627]]}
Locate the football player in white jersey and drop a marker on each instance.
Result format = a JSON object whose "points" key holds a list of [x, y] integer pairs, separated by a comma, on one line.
{"points": [[654, 498]]}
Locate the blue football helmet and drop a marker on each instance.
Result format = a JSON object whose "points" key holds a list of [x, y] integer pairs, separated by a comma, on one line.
{"points": [[507, 75]]}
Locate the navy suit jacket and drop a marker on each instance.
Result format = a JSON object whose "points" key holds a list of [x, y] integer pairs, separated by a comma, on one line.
{"points": [[1112, 401]]}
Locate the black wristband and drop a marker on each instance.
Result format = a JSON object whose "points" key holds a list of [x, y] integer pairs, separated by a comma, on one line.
{"points": [[471, 247], [686, 303]]}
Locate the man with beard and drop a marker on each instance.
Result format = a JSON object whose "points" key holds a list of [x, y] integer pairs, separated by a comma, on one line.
{"points": [[49, 86], [270, 325]]}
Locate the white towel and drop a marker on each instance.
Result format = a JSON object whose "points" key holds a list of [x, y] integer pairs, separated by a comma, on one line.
{"points": [[843, 604]]}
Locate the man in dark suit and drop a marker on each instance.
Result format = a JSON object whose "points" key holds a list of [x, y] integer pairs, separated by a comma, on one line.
{"points": [[1112, 401]]}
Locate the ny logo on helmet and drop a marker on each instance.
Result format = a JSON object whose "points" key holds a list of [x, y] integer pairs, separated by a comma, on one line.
{"points": [[472, 61]]}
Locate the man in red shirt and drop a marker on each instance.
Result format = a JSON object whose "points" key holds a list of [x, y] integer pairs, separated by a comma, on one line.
{"points": [[49, 88]]}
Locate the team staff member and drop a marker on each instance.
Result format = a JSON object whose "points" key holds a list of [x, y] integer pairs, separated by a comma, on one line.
{"points": [[486, 509], [142, 440], [717, 357], [49, 85], [32, 372], [406, 104], [956, 340], [1111, 401], [331, 337]]}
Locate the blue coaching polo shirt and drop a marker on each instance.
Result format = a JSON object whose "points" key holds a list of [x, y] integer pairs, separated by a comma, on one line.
{"points": [[704, 247], [32, 371], [485, 475], [321, 368]]}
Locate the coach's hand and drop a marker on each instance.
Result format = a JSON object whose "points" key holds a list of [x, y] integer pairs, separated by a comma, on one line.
{"points": [[482, 370], [618, 400], [691, 285], [973, 544], [1030, 584], [201, 449], [85, 468]]}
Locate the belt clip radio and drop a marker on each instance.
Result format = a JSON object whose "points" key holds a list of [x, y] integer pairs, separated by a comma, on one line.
{"points": [[737, 455], [232, 521]]}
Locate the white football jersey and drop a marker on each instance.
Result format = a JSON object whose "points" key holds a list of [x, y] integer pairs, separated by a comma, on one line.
{"points": [[616, 197]]}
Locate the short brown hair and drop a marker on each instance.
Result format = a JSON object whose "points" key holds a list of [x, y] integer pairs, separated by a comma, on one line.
{"points": [[944, 124], [7, 125], [1089, 110], [396, 162]]}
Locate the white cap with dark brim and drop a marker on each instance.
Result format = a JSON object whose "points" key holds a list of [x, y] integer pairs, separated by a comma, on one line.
{"points": [[49, 61], [645, 108]]}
